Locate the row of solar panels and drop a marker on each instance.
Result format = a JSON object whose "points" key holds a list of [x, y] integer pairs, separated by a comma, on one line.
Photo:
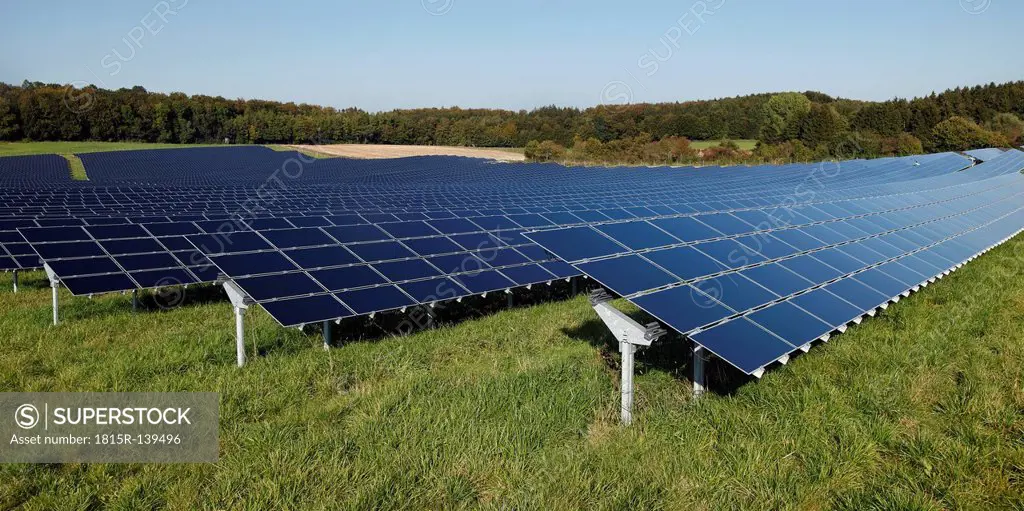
{"points": [[775, 299]]}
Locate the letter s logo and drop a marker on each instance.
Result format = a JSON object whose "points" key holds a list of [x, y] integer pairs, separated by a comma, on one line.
{"points": [[26, 416]]}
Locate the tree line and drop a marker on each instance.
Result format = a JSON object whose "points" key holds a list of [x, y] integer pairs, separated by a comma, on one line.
{"points": [[789, 126]]}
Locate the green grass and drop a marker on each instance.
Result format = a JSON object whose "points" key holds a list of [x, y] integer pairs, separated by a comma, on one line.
{"points": [[745, 145], [77, 167], [921, 407], [29, 148]]}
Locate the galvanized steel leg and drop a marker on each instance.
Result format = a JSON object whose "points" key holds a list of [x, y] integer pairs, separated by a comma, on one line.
{"points": [[627, 350], [699, 380], [328, 334], [15, 281], [56, 288], [240, 335]]}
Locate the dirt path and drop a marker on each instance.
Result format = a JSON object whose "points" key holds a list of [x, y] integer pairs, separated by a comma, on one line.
{"points": [[372, 151]]}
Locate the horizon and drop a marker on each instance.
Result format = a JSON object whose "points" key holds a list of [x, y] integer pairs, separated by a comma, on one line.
{"points": [[450, 53], [470, 108]]}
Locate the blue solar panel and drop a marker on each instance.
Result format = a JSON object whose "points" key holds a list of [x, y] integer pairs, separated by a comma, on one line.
{"points": [[638, 235], [375, 299], [577, 243], [744, 344], [351, 277], [381, 251], [240, 265], [433, 246], [411, 269], [279, 286], [484, 281], [789, 322], [527, 274], [683, 308], [777, 279], [434, 290], [321, 257], [627, 275], [313, 309]]}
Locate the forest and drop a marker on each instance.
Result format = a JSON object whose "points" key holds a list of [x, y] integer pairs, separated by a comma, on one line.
{"points": [[789, 126]]}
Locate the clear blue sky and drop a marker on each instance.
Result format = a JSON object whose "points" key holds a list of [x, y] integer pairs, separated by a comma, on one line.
{"points": [[380, 55]]}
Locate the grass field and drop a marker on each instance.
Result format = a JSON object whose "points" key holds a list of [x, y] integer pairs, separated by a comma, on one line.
{"points": [[921, 407], [26, 148], [745, 145]]}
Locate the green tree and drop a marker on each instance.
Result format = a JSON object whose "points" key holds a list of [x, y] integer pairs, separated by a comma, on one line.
{"points": [[544, 151], [781, 116], [1009, 125], [822, 125], [962, 134], [9, 128], [907, 145]]}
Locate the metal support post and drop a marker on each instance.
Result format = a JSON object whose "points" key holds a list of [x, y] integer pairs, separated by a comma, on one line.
{"points": [[240, 335], [699, 379], [135, 300], [56, 314], [55, 285], [328, 334], [431, 316], [241, 302], [627, 350], [631, 335], [15, 281]]}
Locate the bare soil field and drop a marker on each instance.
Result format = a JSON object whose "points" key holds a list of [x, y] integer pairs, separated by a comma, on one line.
{"points": [[373, 151]]}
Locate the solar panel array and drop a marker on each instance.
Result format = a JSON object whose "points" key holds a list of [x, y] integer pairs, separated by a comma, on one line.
{"points": [[754, 287], [380, 191], [20, 171], [709, 251]]}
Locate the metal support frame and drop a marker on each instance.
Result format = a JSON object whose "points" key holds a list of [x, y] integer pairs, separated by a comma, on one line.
{"points": [[241, 302], [328, 334], [135, 300], [55, 285], [15, 280], [631, 336]]}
